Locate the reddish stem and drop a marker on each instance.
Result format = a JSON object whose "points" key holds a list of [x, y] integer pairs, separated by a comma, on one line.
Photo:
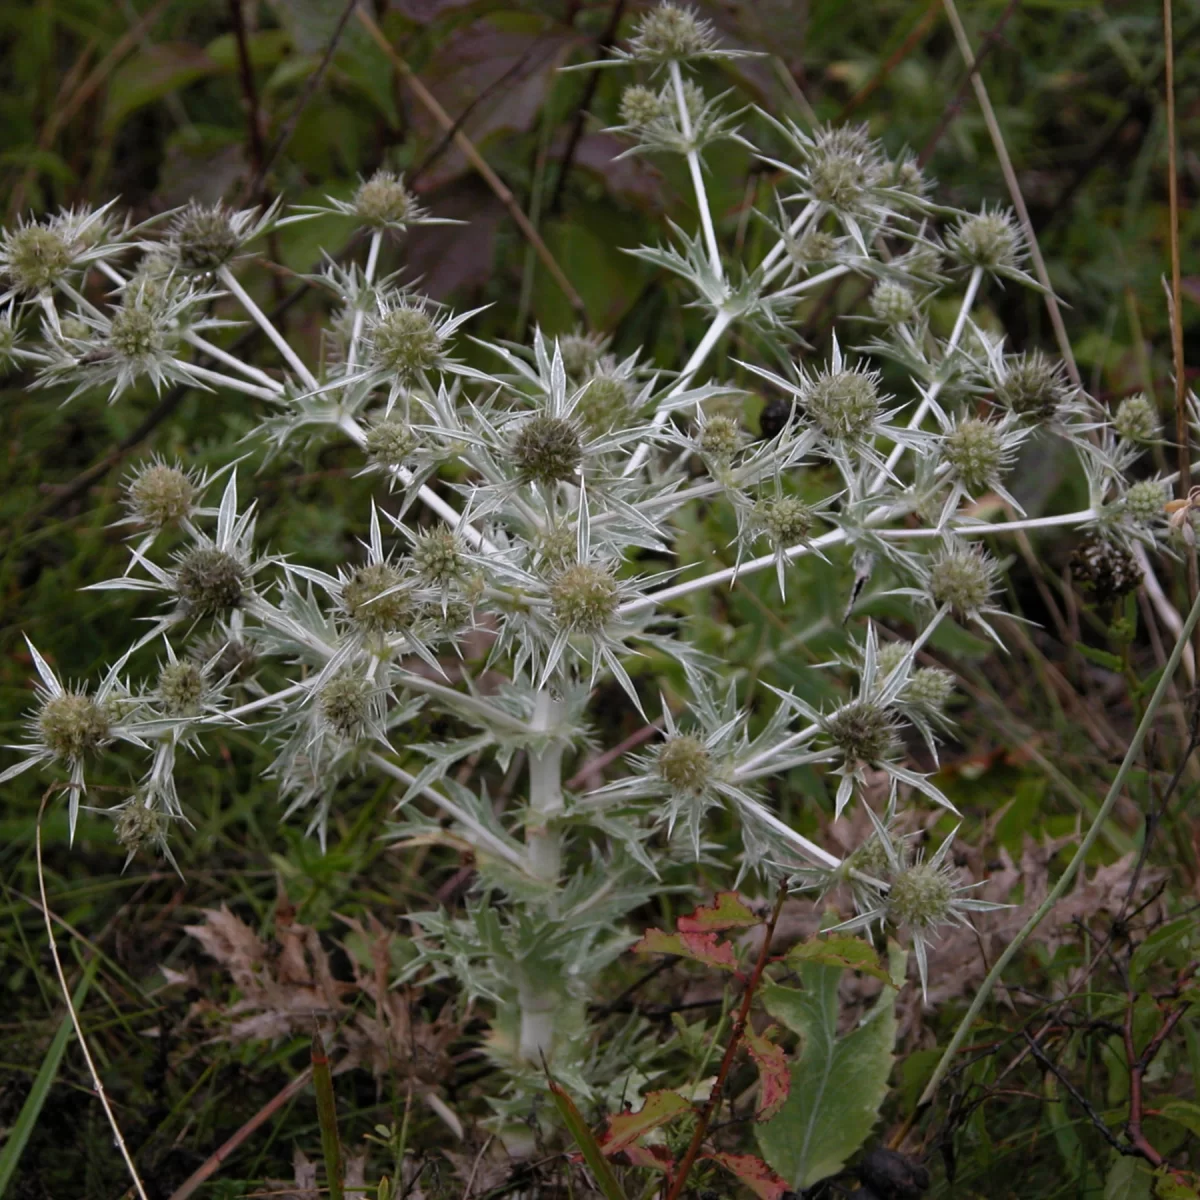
{"points": [[735, 1038]]}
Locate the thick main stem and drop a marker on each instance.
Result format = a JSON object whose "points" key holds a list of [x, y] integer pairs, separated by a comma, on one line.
{"points": [[544, 843]]}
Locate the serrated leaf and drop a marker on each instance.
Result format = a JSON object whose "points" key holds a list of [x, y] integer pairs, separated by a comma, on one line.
{"points": [[701, 947], [775, 1079], [586, 1141], [848, 953], [1128, 1179], [837, 1084], [626, 1128], [753, 1173], [1168, 1186], [1102, 658], [727, 911]]}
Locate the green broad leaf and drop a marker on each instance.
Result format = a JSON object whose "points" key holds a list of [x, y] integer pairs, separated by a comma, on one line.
{"points": [[1128, 1179], [727, 911], [847, 953], [701, 947], [1168, 1186], [838, 1083], [1182, 1112], [151, 74], [586, 1141]]}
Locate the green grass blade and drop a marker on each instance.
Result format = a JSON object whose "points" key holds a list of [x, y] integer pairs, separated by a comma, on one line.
{"points": [[331, 1144], [586, 1140], [30, 1111]]}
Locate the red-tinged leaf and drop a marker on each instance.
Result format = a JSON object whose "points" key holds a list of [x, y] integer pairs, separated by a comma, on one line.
{"points": [[700, 947], [626, 1128], [658, 941], [586, 1141], [775, 1079], [849, 953], [657, 1158], [752, 1172], [726, 912]]}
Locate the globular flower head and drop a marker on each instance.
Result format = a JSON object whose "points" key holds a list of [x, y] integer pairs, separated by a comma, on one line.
{"points": [[438, 556], [547, 448], [720, 437], [978, 452], [920, 896], [377, 599], [581, 353], [210, 581], [345, 704], [1136, 419], [892, 302], [843, 403], [383, 202], [814, 248], [964, 578], [161, 493], [584, 598], [843, 163], [203, 238], [684, 763], [1144, 501], [390, 442], [606, 402], [73, 724], [1033, 385], [989, 239], [138, 825], [672, 32], [404, 340], [639, 107], [864, 731], [929, 690], [35, 256], [182, 687], [786, 520]]}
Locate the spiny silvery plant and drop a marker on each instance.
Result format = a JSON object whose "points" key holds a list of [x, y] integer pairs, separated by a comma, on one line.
{"points": [[567, 463]]}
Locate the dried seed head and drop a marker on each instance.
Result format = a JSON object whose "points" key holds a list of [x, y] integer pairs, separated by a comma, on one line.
{"points": [[1136, 419], [1109, 570], [584, 598], [1033, 385], [210, 581], [37, 256], [640, 106], [976, 453], [892, 302], [383, 200], [720, 438], [346, 705], [389, 443], [438, 556], [920, 896], [684, 763], [606, 403], [962, 577], [203, 238], [863, 731], [181, 688], [1145, 499], [364, 602], [138, 826], [929, 689], [405, 340], [988, 239], [672, 31], [786, 520], [844, 404], [546, 449], [73, 724], [160, 494]]}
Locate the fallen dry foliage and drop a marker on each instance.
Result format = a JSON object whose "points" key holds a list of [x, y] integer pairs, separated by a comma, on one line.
{"points": [[289, 986]]}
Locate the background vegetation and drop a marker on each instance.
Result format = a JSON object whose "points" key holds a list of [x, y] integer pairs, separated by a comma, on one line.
{"points": [[175, 99]]}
